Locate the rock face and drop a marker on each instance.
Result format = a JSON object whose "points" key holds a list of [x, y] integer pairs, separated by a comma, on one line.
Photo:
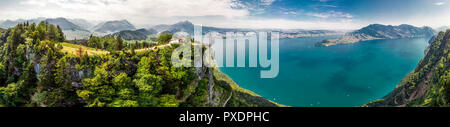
{"points": [[113, 26], [378, 31], [429, 83]]}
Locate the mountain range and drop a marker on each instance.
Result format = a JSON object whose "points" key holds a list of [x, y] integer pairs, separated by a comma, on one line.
{"points": [[80, 28], [82, 23], [11, 23], [65, 24], [188, 27], [77, 28], [378, 31]]}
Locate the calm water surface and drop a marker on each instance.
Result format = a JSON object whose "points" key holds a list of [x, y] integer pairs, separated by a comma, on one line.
{"points": [[340, 75]]}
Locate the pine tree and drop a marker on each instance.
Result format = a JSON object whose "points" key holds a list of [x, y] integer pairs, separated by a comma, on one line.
{"points": [[52, 33], [29, 80], [62, 74], [61, 34], [119, 43]]}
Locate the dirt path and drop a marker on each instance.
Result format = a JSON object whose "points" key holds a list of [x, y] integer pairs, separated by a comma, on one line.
{"points": [[226, 101], [151, 48]]}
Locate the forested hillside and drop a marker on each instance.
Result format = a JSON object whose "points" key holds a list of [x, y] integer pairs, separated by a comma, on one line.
{"points": [[429, 83], [38, 69]]}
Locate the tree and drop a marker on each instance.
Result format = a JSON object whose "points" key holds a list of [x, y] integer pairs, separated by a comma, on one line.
{"points": [[52, 33], [94, 42], [119, 42], [123, 103], [167, 100], [96, 90], [122, 84], [2, 74], [80, 52], [62, 74], [164, 38], [46, 78], [149, 84], [61, 36], [42, 29], [133, 52], [9, 95], [29, 81], [122, 81], [13, 41]]}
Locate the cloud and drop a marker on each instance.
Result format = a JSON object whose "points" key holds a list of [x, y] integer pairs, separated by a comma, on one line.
{"points": [[439, 3], [326, 5], [260, 23], [290, 13], [331, 14], [144, 13], [119, 9], [267, 2]]}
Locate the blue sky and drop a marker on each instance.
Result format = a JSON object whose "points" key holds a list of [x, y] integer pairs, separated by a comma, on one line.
{"points": [[418, 12], [285, 14]]}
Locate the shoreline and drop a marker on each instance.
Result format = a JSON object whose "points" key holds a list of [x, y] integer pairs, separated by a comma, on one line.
{"points": [[236, 87]]}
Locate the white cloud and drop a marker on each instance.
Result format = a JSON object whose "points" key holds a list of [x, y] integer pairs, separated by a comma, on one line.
{"points": [[220, 13], [279, 23], [439, 3], [267, 2], [326, 5], [290, 13], [331, 14], [120, 9]]}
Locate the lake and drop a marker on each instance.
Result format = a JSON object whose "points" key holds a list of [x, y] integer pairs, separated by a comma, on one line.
{"points": [[334, 76]]}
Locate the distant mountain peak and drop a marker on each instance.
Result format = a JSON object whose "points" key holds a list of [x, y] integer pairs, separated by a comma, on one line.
{"points": [[114, 26], [182, 26], [139, 34], [119, 21], [185, 22], [64, 24]]}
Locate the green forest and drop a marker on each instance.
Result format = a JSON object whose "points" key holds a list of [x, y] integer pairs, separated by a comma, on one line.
{"points": [[40, 68], [429, 84]]}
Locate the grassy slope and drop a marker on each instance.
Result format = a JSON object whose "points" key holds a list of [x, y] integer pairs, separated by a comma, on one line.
{"points": [[72, 48]]}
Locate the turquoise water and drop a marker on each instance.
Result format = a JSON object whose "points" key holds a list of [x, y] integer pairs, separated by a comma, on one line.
{"points": [[340, 75]]}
